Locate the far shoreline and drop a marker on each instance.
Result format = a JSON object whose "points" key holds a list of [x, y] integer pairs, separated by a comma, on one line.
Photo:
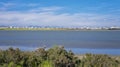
{"points": [[54, 29]]}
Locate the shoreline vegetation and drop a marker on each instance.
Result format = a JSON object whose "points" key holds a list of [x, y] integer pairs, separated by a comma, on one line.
{"points": [[54, 57], [55, 29]]}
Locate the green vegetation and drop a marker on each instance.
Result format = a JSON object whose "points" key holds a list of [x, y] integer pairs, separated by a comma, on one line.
{"points": [[56, 29], [53, 57]]}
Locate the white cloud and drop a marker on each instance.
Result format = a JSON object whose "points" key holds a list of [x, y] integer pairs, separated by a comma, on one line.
{"points": [[53, 8], [48, 16], [46, 9], [10, 5], [32, 4], [5, 6]]}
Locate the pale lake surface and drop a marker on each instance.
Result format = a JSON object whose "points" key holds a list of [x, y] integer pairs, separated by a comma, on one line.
{"points": [[80, 42]]}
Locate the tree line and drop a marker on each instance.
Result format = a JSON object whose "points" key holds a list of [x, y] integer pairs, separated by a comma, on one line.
{"points": [[53, 57]]}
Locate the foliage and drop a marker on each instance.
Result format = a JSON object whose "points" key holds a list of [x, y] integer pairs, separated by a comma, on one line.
{"points": [[53, 57], [92, 60]]}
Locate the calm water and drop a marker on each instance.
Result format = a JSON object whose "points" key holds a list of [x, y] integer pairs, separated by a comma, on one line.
{"points": [[104, 42]]}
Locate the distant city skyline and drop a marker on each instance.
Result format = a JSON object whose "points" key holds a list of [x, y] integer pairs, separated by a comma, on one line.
{"points": [[60, 13]]}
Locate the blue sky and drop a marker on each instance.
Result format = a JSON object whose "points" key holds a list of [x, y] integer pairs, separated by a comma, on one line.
{"points": [[60, 12]]}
